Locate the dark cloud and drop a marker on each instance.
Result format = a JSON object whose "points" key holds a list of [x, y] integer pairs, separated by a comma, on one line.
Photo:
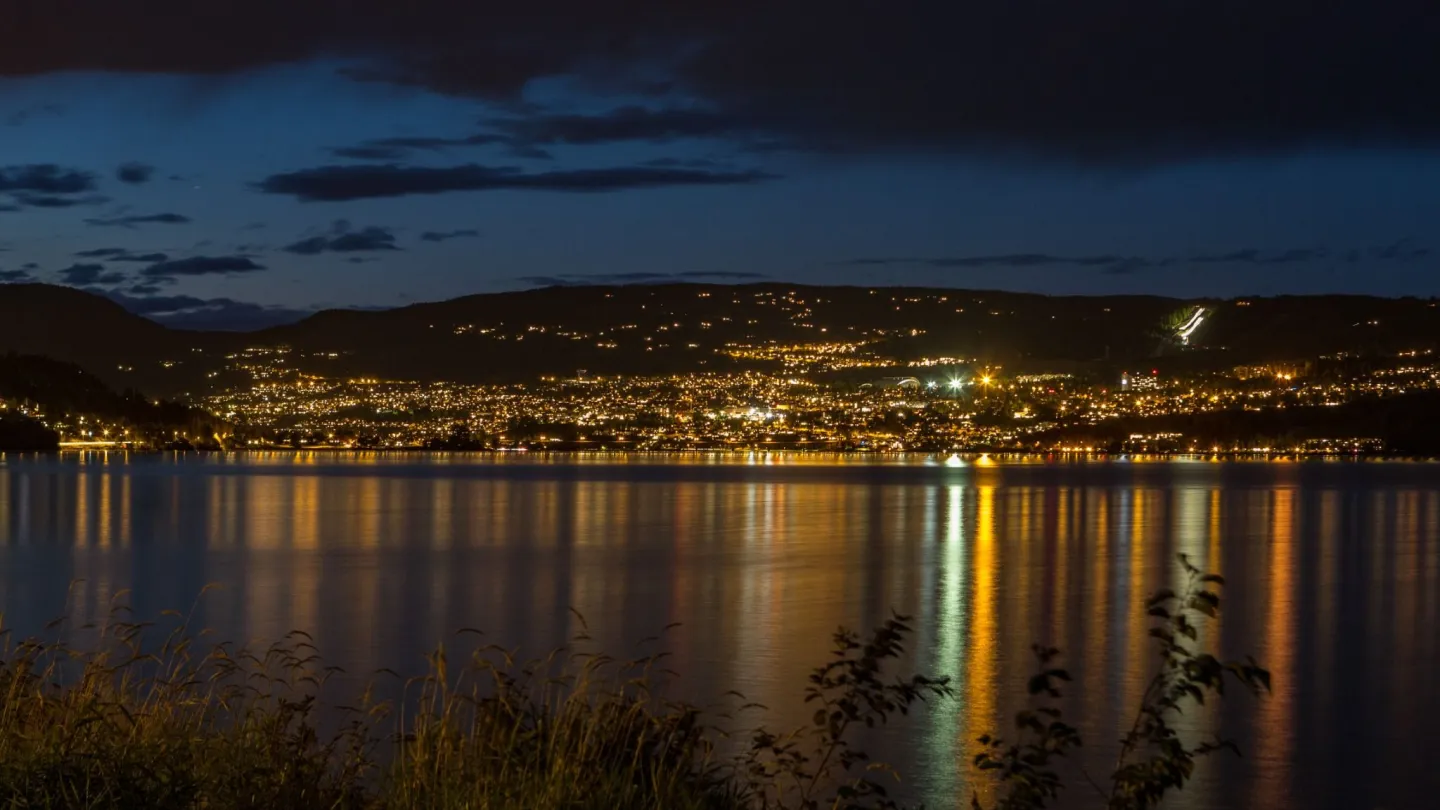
{"points": [[15, 276], [442, 236], [339, 183], [402, 147], [122, 255], [583, 279], [1109, 81], [132, 221], [190, 312], [1122, 265], [134, 173], [343, 240], [85, 275], [44, 178], [201, 266], [7, 208], [57, 201]]}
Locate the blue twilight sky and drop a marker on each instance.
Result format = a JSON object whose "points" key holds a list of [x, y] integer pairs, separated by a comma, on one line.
{"points": [[379, 161]]}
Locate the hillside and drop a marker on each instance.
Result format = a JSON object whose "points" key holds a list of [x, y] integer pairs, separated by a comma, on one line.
{"points": [[670, 328], [65, 393], [680, 327], [62, 323], [1405, 424]]}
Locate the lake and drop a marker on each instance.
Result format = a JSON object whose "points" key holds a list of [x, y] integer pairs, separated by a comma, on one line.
{"points": [[1333, 573]]}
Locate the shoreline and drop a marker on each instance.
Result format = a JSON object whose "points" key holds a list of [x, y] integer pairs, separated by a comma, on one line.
{"points": [[963, 456]]}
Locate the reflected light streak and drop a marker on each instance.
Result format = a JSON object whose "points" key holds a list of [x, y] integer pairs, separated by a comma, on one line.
{"points": [[82, 498], [125, 517], [1430, 566], [980, 709], [102, 532], [1277, 710], [1135, 537], [1098, 605], [948, 743], [1328, 572], [1063, 525]]}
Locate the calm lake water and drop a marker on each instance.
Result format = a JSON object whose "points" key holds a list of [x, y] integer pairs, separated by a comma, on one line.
{"points": [[1333, 569]]}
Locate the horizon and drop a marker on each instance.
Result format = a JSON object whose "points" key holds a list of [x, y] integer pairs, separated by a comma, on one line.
{"points": [[183, 325]]}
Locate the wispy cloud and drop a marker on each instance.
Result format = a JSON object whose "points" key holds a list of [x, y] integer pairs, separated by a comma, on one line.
{"points": [[85, 275], [45, 178], [57, 201], [136, 220], [444, 236], [134, 173], [191, 312], [202, 266], [341, 183], [115, 254], [341, 239]]}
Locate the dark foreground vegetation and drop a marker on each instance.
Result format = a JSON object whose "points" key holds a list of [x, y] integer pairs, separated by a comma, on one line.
{"points": [[110, 725]]}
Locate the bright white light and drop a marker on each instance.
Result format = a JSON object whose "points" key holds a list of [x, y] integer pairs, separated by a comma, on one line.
{"points": [[957, 383], [1194, 323]]}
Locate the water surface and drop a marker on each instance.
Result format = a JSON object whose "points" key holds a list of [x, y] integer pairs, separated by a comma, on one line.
{"points": [[1334, 571]]}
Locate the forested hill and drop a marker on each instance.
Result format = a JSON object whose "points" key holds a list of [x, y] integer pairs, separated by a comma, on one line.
{"points": [[694, 327], [64, 393]]}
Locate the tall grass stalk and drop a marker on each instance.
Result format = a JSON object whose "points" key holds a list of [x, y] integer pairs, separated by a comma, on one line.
{"points": [[121, 721]]}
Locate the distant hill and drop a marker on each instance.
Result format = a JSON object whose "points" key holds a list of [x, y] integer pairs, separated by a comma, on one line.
{"points": [[672, 328], [1406, 424], [90, 330], [639, 329]]}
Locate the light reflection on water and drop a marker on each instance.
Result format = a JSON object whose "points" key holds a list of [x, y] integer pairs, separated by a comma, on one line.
{"points": [[1334, 573]]}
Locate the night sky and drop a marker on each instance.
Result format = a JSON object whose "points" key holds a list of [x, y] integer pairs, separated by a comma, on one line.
{"points": [[232, 163]]}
